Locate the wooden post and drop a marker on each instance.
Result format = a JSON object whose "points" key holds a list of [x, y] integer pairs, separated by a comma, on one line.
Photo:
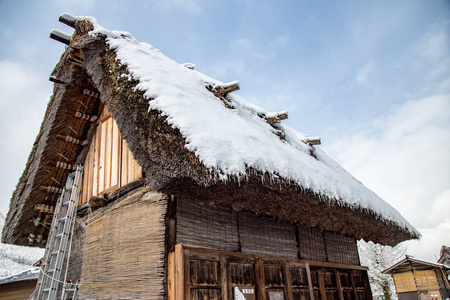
{"points": [[308, 274], [224, 280], [68, 20], [352, 280], [179, 272], [171, 276], [60, 36], [339, 284], [260, 280], [322, 285], [287, 281]]}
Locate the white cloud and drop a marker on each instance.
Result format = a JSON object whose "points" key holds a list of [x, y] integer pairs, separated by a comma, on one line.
{"points": [[362, 75], [23, 102], [404, 157]]}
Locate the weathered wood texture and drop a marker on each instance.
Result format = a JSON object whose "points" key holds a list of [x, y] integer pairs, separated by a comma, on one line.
{"points": [[215, 274], [20, 290], [124, 251], [207, 226], [265, 236], [109, 164], [221, 228]]}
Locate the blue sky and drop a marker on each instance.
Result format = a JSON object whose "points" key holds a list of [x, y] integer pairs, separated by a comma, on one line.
{"points": [[371, 78]]}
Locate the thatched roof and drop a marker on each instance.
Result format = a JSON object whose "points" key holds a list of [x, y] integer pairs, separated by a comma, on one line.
{"points": [[196, 140]]}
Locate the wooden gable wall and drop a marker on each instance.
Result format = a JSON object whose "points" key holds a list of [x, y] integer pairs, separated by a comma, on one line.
{"points": [[109, 164]]}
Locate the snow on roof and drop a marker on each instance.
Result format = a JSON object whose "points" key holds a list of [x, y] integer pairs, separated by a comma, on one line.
{"points": [[230, 141], [29, 274]]}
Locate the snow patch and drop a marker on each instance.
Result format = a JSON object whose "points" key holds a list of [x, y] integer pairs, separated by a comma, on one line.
{"points": [[229, 141]]}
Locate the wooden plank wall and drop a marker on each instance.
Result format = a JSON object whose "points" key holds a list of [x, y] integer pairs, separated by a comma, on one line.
{"points": [[109, 164], [17, 290]]}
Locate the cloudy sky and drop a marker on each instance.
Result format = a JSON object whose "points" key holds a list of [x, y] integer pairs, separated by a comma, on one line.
{"points": [[371, 78]]}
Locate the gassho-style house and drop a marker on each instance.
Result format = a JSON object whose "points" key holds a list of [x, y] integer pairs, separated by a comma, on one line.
{"points": [[182, 189]]}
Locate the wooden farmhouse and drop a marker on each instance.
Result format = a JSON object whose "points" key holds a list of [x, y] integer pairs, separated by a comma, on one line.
{"points": [[189, 191], [417, 279]]}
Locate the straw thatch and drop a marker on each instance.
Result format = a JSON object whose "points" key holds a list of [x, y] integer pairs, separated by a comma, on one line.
{"points": [[169, 167]]}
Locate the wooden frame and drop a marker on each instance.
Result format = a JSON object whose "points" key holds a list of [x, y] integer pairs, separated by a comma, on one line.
{"points": [[195, 273]]}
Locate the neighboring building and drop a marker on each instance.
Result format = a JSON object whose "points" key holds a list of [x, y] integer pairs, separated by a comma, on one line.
{"points": [[189, 192], [419, 279], [19, 286], [444, 257]]}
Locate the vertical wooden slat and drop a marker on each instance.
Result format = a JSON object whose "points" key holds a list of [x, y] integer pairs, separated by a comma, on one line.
{"points": [[115, 155], [124, 163], [108, 156], [179, 272], [321, 284], [224, 280], [287, 280], [352, 282], [338, 284], [187, 294], [95, 163], [101, 163], [260, 279], [310, 285], [171, 276]]}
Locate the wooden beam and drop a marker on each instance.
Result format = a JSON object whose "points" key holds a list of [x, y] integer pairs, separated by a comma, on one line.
{"points": [[261, 283], [81, 115], [62, 165], [171, 276], [45, 208], [287, 281], [275, 118], [224, 278], [308, 274], [51, 189], [71, 139], [68, 19], [323, 292], [231, 87], [60, 36], [55, 80], [179, 272], [312, 140], [189, 66]]}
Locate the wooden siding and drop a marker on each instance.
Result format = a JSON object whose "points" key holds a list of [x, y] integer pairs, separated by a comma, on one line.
{"points": [[124, 250], [221, 228], [207, 274], [20, 290], [207, 226], [109, 164]]}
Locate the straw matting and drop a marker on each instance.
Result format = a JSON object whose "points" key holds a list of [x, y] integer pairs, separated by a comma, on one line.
{"points": [[124, 251]]}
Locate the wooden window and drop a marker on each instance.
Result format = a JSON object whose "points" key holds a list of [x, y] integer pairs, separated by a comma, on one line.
{"points": [[195, 273], [109, 164]]}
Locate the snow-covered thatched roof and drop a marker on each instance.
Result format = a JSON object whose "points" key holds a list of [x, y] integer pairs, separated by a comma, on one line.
{"points": [[195, 139]]}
